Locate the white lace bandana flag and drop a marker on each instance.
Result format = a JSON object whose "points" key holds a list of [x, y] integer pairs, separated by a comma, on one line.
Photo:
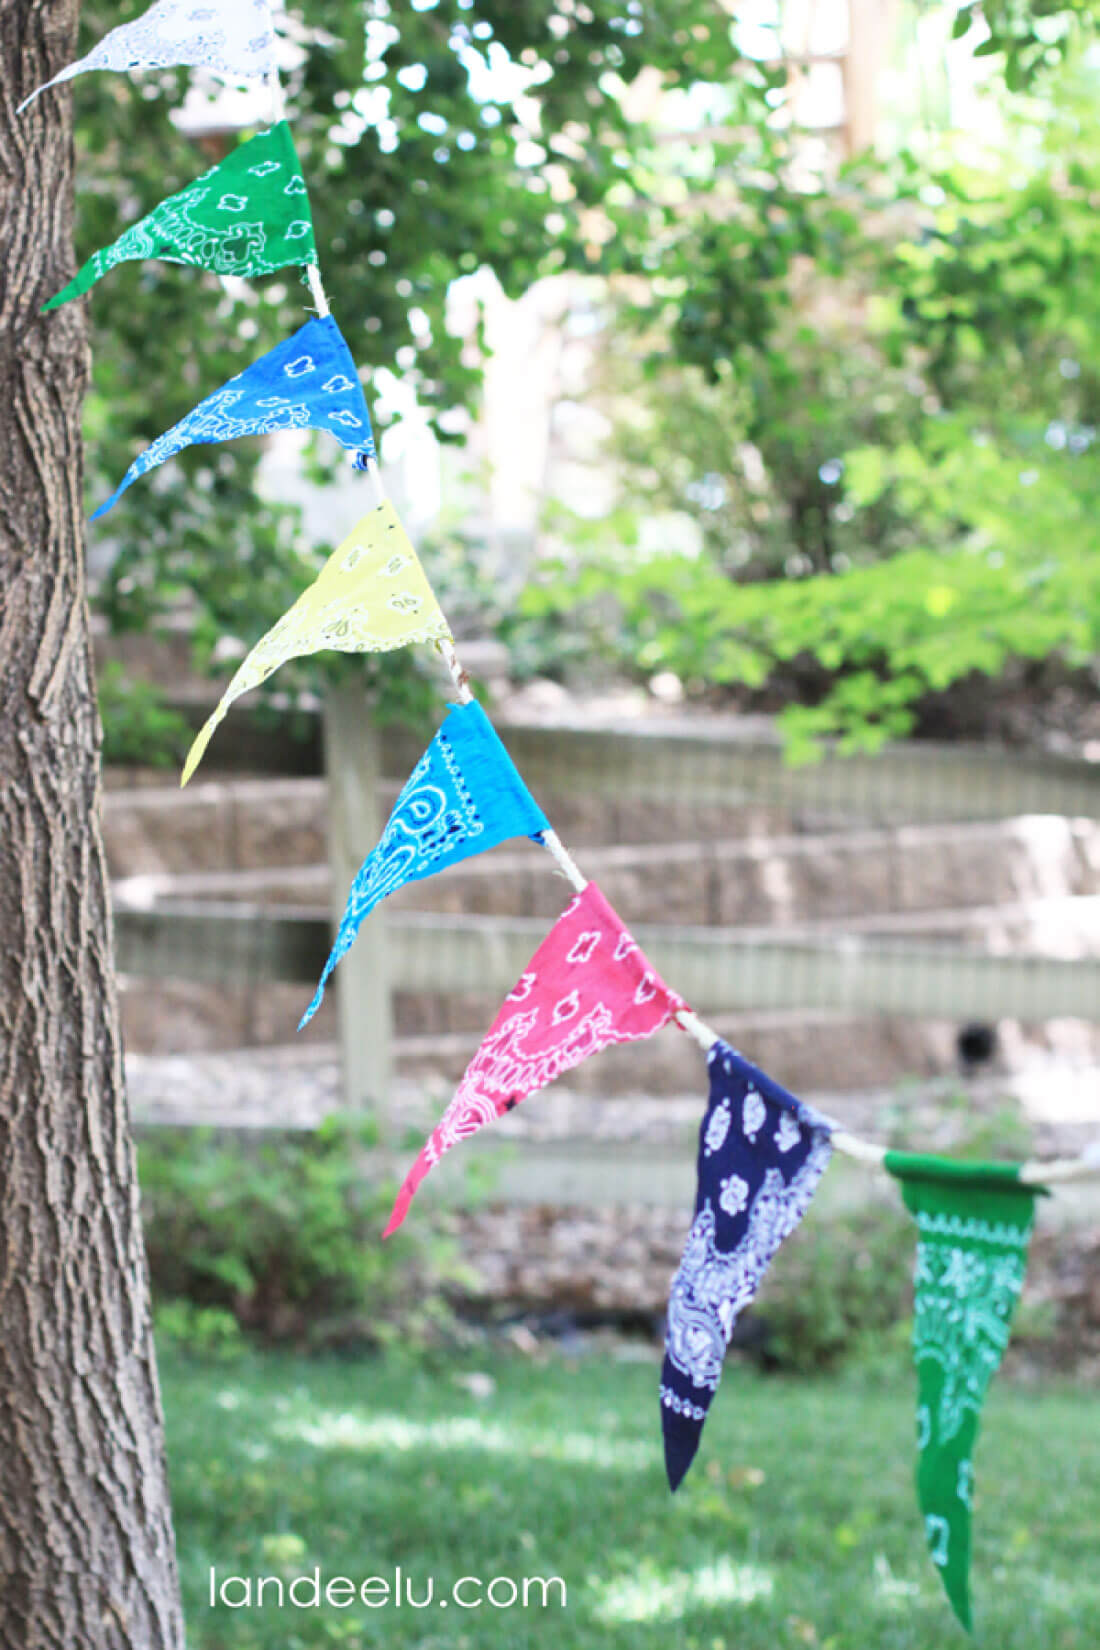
{"points": [[761, 1155], [231, 38], [463, 797], [588, 985], [307, 382]]}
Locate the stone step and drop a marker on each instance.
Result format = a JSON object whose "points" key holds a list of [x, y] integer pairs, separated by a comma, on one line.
{"points": [[231, 853], [1057, 926], [246, 823]]}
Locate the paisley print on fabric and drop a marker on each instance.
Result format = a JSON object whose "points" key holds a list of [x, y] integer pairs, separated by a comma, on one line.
{"points": [[463, 797], [761, 1155], [588, 985]]}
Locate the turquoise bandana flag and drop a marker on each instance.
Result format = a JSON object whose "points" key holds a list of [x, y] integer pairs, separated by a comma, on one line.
{"points": [[249, 215], [232, 38], [463, 797], [310, 381], [974, 1221]]}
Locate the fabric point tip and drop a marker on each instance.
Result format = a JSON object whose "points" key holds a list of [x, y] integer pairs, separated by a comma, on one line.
{"points": [[400, 1210], [675, 1472]]}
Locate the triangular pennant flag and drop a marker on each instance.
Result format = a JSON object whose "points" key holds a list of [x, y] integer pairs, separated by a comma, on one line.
{"points": [[761, 1155], [235, 40], [371, 596], [249, 215], [588, 985], [974, 1222], [462, 798], [307, 382]]}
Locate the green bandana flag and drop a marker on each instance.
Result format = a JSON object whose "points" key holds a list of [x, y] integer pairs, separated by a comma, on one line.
{"points": [[248, 216], [974, 1221]]}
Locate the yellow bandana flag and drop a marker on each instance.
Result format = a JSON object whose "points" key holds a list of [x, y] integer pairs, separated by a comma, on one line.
{"points": [[370, 596]]}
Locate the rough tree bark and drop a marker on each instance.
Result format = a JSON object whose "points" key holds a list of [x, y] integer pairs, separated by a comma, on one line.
{"points": [[87, 1560]]}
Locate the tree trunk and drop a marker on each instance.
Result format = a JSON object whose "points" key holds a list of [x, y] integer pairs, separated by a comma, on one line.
{"points": [[87, 1560]]}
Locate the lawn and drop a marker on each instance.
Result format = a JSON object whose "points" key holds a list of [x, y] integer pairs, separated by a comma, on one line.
{"points": [[797, 1526]]}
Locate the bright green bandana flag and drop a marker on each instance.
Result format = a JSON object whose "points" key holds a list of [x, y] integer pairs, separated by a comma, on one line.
{"points": [[247, 216], [974, 1221]]}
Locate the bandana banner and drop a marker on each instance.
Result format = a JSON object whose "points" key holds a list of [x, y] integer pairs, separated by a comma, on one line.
{"points": [[235, 40], [307, 382], [588, 985], [761, 1156], [463, 797], [371, 596], [249, 215], [974, 1222]]}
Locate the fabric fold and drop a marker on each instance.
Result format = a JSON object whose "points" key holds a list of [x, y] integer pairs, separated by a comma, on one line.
{"points": [[974, 1223], [371, 596], [761, 1155], [235, 41], [247, 216], [588, 985], [307, 382], [464, 796]]}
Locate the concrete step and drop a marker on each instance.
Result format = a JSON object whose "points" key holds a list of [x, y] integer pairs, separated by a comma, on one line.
{"points": [[246, 823], [193, 850], [1058, 926]]}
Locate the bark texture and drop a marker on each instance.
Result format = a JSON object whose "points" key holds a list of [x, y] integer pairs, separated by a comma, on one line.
{"points": [[87, 1560]]}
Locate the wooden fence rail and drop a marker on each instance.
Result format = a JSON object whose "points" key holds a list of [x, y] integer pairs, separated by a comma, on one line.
{"points": [[714, 968], [726, 762]]}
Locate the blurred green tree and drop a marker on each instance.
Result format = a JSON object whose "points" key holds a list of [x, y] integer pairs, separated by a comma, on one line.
{"points": [[906, 440], [437, 136]]}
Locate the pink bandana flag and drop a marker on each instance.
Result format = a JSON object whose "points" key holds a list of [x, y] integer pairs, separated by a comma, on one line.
{"points": [[588, 985]]}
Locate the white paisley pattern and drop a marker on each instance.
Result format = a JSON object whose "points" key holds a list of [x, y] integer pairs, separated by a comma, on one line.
{"points": [[965, 1299], [734, 1194], [713, 1287], [231, 38], [788, 1134], [717, 1128], [754, 1115]]}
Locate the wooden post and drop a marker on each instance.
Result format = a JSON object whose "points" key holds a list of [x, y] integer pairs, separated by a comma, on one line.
{"points": [[354, 770]]}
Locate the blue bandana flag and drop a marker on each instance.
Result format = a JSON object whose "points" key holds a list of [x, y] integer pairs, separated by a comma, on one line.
{"points": [[463, 797], [310, 381], [761, 1155]]}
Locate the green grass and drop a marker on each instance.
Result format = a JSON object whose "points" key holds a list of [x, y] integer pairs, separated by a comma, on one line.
{"points": [[797, 1525]]}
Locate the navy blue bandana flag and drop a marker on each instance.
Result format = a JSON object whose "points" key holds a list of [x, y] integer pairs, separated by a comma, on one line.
{"points": [[464, 796], [761, 1155], [307, 382]]}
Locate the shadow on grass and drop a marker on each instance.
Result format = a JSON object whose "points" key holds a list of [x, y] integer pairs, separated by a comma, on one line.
{"points": [[797, 1526]]}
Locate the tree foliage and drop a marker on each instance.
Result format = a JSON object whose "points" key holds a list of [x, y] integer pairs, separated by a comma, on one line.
{"points": [[908, 445], [437, 136]]}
